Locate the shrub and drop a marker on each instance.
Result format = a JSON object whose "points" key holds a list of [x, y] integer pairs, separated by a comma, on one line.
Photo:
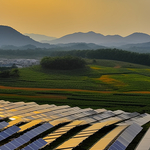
{"points": [[9, 73], [5, 74]]}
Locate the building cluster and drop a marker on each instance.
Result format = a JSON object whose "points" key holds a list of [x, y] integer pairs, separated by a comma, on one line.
{"points": [[19, 63]]}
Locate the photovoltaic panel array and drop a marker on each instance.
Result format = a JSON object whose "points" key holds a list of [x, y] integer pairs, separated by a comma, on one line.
{"points": [[35, 145], [26, 137], [140, 120], [8, 132], [31, 118], [84, 134], [126, 137], [103, 115], [108, 138], [59, 132]]}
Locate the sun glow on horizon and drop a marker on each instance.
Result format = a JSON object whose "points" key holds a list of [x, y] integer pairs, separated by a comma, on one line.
{"points": [[61, 17]]}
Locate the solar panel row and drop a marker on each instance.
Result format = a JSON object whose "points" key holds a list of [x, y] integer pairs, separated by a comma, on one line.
{"points": [[145, 142], [59, 132], [140, 120], [26, 137], [30, 124], [35, 114], [126, 137], [84, 134], [108, 138], [8, 132], [35, 145]]}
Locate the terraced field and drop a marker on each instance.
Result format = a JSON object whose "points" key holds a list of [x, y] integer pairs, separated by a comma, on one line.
{"points": [[104, 84]]}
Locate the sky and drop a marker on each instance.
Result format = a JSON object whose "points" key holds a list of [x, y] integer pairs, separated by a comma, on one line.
{"points": [[61, 17]]}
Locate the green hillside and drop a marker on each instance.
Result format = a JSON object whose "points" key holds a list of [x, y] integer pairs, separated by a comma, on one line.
{"points": [[102, 84]]}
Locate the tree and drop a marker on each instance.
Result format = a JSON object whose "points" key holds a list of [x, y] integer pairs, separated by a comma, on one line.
{"points": [[5, 74], [14, 72], [62, 63]]}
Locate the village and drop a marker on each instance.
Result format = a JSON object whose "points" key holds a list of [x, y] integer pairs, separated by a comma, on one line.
{"points": [[19, 63]]}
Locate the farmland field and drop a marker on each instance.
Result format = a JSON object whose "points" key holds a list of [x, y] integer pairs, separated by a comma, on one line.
{"points": [[104, 84]]}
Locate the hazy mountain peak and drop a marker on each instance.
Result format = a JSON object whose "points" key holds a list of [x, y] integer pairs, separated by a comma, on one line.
{"points": [[8, 31], [91, 32], [138, 34], [10, 36]]}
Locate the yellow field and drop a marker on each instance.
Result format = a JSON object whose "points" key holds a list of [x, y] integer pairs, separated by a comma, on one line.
{"points": [[107, 79]]}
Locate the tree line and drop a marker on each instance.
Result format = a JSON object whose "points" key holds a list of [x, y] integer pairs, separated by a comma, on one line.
{"points": [[112, 54]]}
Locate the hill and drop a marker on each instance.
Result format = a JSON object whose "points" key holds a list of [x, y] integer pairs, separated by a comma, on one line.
{"points": [[140, 48], [9, 36], [97, 38], [104, 83], [10, 39]]}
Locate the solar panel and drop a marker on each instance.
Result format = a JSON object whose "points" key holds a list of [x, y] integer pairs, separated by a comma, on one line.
{"points": [[4, 148], [26, 137], [3, 124], [14, 122], [29, 125], [108, 138], [59, 132], [60, 114], [117, 146], [10, 146], [126, 136], [49, 113], [8, 132], [144, 143], [36, 145], [29, 134], [84, 134], [16, 143], [20, 140]]}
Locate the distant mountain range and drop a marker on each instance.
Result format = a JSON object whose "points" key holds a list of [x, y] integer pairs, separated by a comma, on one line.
{"points": [[12, 39], [109, 40], [40, 38], [140, 47]]}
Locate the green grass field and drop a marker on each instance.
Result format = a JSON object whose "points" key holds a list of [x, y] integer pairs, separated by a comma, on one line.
{"points": [[110, 84]]}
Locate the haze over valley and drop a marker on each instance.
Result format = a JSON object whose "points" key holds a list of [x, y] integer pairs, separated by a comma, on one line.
{"points": [[12, 39]]}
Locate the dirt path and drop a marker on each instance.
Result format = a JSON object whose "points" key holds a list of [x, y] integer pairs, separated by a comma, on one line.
{"points": [[39, 96], [75, 90], [118, 66], [47, 89]]}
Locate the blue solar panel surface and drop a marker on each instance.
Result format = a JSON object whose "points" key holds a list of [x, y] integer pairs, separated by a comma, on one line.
{"points": [[8, 132], [26, 137], [3, 124], [35, 145], [126, 137]]}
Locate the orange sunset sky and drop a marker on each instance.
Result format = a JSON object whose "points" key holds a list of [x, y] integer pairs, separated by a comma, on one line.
{"points": [[60, 17]]}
